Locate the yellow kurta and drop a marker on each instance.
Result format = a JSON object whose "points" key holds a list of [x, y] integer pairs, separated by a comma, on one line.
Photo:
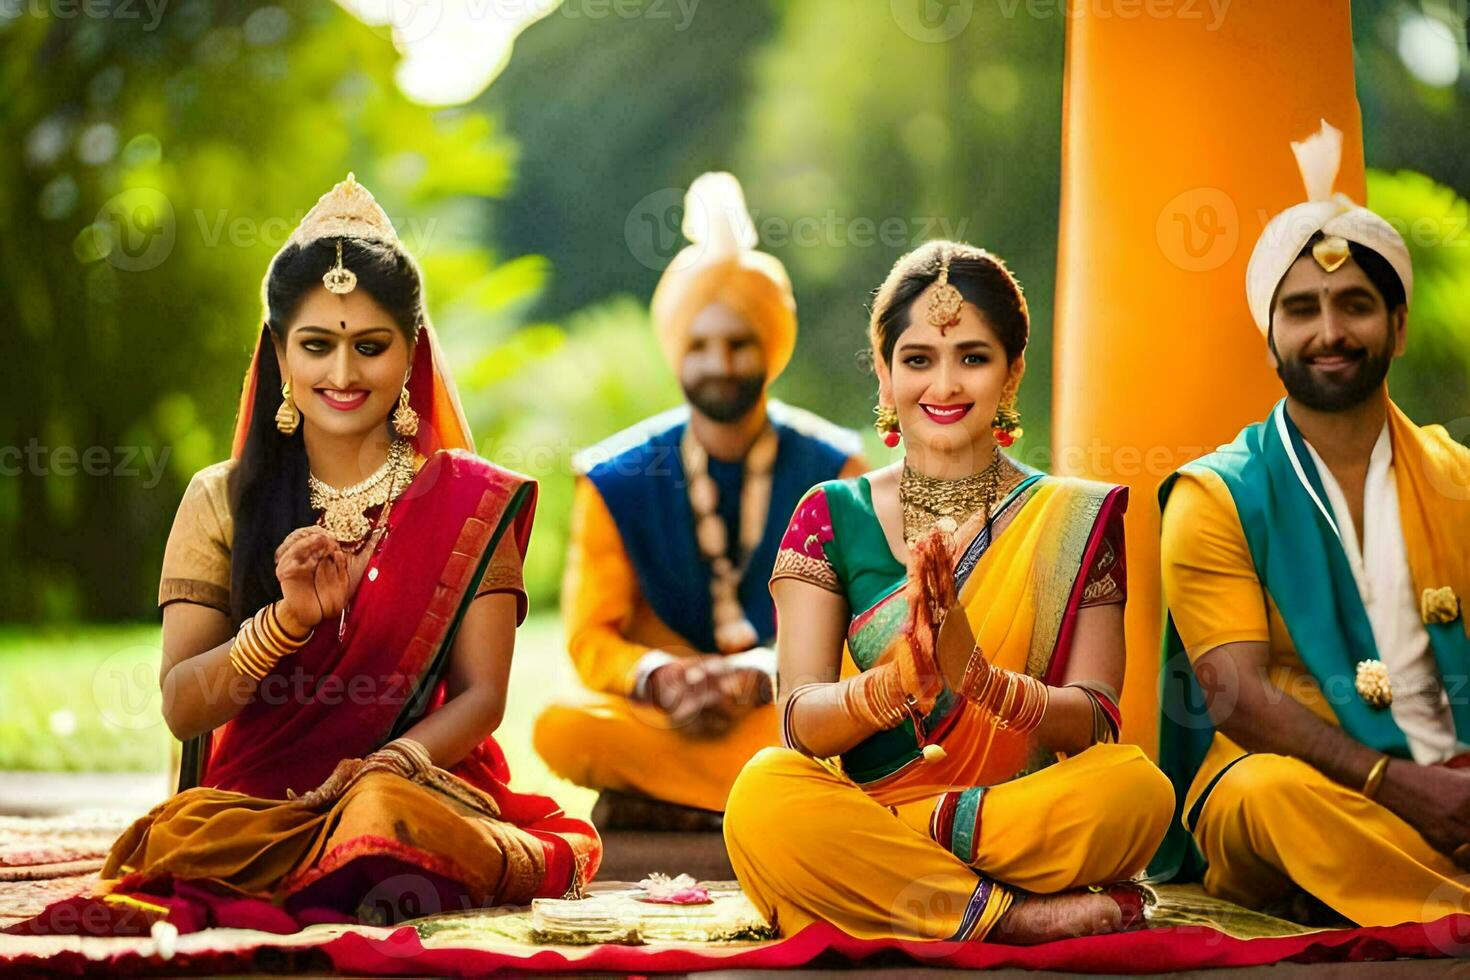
{"points": [[1273, 820]]}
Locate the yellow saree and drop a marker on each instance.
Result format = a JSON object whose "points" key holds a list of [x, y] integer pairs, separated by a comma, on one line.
{"points": [[883, 843]]}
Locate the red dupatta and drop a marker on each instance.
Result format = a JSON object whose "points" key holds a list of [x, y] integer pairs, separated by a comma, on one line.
{"points": [[340, 698]]}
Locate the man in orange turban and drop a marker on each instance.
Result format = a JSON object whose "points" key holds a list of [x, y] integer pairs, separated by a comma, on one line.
{"points": [[675, 527]]}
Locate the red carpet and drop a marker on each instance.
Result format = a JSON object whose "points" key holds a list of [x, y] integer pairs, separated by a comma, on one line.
{"points": [[400, 952]]}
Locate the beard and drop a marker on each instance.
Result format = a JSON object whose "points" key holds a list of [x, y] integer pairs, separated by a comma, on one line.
{"points": [[1329, 395], [726, 397]]}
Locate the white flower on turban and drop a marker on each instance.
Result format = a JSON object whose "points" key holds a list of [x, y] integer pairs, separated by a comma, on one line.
{"points": [[721, 265]]}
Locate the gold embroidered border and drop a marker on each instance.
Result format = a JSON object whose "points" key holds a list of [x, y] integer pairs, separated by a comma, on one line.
{"points": [[793, 564]]}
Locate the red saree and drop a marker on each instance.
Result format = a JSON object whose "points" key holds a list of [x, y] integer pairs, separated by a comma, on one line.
{"points": [[237, 837], [342, 699]]}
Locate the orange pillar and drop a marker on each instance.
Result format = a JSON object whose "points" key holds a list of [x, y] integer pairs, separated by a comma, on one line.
{"points": [[1175, 153]]}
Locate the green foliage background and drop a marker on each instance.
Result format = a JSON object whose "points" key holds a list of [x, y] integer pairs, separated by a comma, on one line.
{"points": [[153, 171]]}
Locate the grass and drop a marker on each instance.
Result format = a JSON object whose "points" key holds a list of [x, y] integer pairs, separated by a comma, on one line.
{"points": [[87, 700]]}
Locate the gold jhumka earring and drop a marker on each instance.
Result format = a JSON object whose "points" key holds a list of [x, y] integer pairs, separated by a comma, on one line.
{"points": [[288, 416], [405, 419], [887, 424]]}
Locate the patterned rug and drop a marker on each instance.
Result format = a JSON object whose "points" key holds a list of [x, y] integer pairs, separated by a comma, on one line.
{"points": [[44, 861]]}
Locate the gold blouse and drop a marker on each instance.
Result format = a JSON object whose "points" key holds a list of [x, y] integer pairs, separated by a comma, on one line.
{"points": [[196, 560]]}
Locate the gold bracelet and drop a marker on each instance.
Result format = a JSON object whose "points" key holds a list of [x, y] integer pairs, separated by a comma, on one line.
{"points": [[1039, 697], [253, 652], [1375, 777], [1021, 704], [270, 627], [277, 636], [299, 641], [245, 655], [261, 643]]}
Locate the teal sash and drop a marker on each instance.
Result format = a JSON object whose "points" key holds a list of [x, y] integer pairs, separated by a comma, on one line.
{"points": [[1299, 559]]}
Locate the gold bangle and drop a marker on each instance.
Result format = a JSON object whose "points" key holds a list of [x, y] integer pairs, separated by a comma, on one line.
{"points": [[273, 634], [299, 641], [244, 665], [1003, 708], [1375, 777], [270, 632], [1038, 696], [247, 654]]}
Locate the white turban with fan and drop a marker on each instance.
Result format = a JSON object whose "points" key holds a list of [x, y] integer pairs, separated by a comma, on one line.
{"points": [[1318, 158]]}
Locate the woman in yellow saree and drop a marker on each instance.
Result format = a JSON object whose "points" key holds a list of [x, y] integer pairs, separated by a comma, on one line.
{"points": [[953, 777], [340, 601]]}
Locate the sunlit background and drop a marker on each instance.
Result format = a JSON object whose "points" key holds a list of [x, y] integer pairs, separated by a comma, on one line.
{"points": [[533, 155]]}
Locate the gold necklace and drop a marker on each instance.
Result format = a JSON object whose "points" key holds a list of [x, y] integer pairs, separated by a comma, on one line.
{"points": [[344, 511], [927, 501], [733, 632]]}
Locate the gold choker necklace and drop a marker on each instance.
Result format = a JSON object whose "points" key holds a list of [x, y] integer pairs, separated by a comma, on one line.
{"points": [[344, 512], [926, 501]]}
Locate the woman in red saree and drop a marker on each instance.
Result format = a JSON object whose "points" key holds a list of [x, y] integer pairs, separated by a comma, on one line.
{"points": [[339, 761]]}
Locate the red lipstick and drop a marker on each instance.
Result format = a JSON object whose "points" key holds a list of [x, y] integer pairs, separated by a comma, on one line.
{"points": [[946, 414]]}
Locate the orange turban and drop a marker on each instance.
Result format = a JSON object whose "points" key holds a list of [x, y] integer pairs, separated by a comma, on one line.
{"points": [[721, 265]]}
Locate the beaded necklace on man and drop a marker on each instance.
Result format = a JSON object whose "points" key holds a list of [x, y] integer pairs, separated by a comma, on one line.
{"points": [[734, 633]]}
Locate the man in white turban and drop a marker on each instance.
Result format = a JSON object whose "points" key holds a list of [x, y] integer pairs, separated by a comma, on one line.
{"points": [[1316, 653], [675, 527]]}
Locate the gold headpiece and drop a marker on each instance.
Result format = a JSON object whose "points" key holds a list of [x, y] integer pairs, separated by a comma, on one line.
{"points": [[1331, 252], [944, 305], [348, 210]]}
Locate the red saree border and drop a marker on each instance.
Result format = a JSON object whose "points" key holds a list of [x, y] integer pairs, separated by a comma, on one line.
{"points": [[375, 845], [468, 558], [1115, 504]]}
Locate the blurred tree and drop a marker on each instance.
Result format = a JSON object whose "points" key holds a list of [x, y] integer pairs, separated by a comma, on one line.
{"points": [[550, 392], [616, 114], [869, 135], [157, 162], [1414, 86], [1432, 380]]}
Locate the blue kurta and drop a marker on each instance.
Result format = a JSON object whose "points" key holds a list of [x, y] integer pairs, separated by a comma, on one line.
{"points": [[640, 475]]}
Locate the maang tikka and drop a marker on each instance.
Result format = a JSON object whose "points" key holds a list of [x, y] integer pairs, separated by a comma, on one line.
{"points": [[946, 301], [340, 279]]}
